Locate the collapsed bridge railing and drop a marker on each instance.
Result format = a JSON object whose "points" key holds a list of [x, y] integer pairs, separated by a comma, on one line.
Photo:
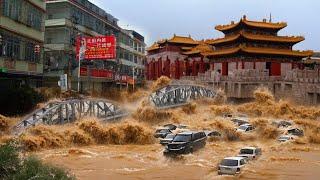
{"points": [[179, 95], [68, 111]]}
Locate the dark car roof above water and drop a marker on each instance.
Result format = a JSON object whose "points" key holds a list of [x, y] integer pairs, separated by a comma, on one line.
{"points": [[188, 133]]}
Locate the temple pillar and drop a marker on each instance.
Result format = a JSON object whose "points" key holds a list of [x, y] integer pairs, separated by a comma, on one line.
{"points": [[201, 66], [177, 68], [181, 68], [160, 67], [156, 69], [225, 68], [187, 68], [275, 69], [167, 67], [193, 67]]}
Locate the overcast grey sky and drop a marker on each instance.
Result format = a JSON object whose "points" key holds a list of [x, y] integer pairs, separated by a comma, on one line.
{"points": [[158, 19]]}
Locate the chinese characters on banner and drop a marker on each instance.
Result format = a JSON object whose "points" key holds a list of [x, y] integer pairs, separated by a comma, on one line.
{"points": [[91, 48]]}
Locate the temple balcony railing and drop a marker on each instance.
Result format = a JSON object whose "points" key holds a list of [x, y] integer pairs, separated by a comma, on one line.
{"points": [[254, 75]]}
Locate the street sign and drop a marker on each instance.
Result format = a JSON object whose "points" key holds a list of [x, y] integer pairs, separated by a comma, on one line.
{"points": [[63, 83]]}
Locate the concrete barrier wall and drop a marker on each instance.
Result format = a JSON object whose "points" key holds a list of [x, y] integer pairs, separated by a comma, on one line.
{"points": [[302, 86]]}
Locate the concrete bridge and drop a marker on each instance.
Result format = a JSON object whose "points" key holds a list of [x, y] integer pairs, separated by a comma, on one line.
{"points": [[61, 112], [179, 94]]}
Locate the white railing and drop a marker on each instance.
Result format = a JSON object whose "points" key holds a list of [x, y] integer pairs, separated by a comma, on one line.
{"points": [[254, 75]]}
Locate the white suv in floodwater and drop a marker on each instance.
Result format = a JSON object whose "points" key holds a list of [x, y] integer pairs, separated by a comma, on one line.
{"points": [[250, 152], [231, 165]]}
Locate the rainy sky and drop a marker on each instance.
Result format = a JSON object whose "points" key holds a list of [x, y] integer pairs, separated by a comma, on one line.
{"points": [[158, 19]]}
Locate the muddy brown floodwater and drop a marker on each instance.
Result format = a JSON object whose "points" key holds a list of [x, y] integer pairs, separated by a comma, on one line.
{"points": [[127, 150], [147, 162]]}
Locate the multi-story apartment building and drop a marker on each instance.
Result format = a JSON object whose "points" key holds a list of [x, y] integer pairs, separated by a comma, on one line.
{"points": [[67, 19], [131, 54], [21, 31]]}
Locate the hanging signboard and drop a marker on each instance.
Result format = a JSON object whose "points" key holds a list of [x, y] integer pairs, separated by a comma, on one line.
{"points": [[96, 48]]}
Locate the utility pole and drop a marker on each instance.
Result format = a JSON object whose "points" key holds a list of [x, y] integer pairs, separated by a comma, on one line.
{"points": [[80, 57], [133, 69], [69, 73]]}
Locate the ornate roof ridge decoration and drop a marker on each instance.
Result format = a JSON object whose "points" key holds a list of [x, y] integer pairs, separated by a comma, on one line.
{"points": [[259, 24], [247, 35], [261, 50], [182, 40], [154, 46], [203, 48]]}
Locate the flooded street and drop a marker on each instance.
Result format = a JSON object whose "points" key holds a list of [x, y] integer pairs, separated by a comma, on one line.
{"points": [[148, 162], [126, 149]]}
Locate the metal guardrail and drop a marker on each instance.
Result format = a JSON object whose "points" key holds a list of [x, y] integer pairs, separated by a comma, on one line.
{"points": [[68, 111], [179, 95]]}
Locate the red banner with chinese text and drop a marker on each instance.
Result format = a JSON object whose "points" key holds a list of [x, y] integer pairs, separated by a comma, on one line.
{"points": [[101, 73], [94, 48]]}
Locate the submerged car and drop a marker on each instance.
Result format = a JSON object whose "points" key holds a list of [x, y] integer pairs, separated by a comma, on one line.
{"points": [[186, 142], [245, 128], [240, 121], [212, 133], [282, 123], [250, 152], [182, 126], [285, 138], [170, 126], [231, 165], [162, 133], [296, 132], [168, 139]]}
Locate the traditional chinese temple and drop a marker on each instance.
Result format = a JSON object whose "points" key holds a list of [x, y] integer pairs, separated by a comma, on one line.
{"points": [[177, 57], [245, 45], [255, 45]]}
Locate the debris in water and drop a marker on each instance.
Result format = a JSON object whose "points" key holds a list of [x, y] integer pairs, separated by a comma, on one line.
{"points": [[121, 133], [160, 82], [190, 108], [151, 115]]}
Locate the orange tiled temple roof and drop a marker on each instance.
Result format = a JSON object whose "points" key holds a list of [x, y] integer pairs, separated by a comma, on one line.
{"points": [[203, 48], [247, 35], [153, 47], [181, 40], [261, 50], [260, 24]]}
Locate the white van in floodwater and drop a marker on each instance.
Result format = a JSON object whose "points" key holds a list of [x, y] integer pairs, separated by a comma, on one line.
{"points": [[250, 152], [231, 165]]}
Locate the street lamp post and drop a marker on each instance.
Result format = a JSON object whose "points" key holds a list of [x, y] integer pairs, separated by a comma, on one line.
{"points": [[79, 65], [133, 69]]}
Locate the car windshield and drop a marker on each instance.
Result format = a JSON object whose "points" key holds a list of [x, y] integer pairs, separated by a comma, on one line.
{"points": [[285, 137], [229, 162], [170, 136], [243, 127], [246, 151], [162, 130], [182, 138]]}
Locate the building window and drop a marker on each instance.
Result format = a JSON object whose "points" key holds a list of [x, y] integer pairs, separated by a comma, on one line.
{"points": [[10, 47], [30, 55], [11, 8], [34, 18], [22, 11]]}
